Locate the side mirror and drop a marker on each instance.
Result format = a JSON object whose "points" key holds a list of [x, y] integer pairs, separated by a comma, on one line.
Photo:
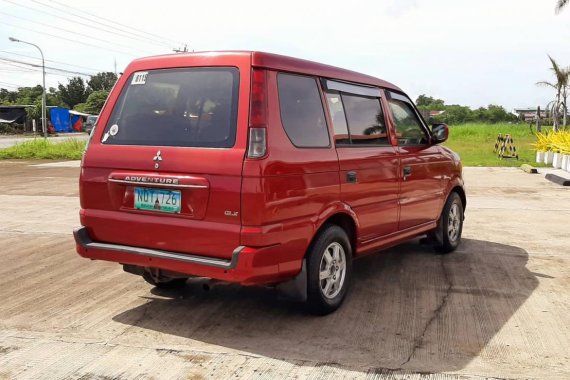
{"points": [[439, 133]]}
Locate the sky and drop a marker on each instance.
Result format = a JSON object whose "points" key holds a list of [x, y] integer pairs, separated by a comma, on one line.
{"points": [[471, 53]]}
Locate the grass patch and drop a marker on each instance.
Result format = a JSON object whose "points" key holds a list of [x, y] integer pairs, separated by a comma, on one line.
{"points": [[475, 142], [38, 148]]}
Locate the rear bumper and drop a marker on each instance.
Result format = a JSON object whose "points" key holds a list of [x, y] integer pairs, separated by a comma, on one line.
{"points": [[248, 265]]}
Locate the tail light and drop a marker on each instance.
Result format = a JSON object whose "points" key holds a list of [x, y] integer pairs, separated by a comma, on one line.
{"points": [[257, 143], [257, 146]]}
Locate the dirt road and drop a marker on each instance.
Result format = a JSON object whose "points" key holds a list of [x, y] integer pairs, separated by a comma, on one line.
{"points": [[498, 307]]}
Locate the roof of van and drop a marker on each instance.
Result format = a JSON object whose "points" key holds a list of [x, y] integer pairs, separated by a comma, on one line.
{"points": [[290, 64]]}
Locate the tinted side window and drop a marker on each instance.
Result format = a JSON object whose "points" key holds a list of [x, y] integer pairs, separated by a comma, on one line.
{"points": [[409, 128], [365, 120], [302, 111], [192, 107]]}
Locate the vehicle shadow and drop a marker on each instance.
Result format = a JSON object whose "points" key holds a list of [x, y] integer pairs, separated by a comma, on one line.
{"points": [[408, 309]]}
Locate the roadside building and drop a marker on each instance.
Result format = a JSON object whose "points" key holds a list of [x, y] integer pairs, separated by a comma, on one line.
{"points": [[15, 116], [529, 113]]}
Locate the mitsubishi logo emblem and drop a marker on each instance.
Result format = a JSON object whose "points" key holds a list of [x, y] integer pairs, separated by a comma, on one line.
{"points": [[157, 160]]}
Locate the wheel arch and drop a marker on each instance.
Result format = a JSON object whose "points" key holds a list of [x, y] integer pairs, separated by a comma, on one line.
{"points": [[344, 217], [345, 221], [461, 192]]}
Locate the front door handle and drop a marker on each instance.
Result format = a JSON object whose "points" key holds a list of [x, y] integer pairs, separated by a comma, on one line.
{"points": [[407, 172]]}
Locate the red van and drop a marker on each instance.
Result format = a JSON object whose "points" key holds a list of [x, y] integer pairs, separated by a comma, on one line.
{"points": [[257, 168]]}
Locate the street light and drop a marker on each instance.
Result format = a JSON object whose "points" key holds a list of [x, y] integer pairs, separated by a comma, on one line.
{"points": [[44, 123]]}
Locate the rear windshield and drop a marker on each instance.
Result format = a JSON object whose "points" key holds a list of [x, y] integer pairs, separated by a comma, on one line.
{"points": [[192, 107]]}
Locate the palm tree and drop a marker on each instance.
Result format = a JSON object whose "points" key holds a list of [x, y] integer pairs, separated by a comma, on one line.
{"points": [[559, 104], [560, 4]]}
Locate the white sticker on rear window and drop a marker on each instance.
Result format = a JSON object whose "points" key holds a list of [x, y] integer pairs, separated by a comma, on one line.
{"points": [[114, 129], [140, 77]]}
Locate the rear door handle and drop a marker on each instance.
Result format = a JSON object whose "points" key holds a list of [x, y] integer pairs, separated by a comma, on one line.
{"points": [[351, 177], [407, 172]]}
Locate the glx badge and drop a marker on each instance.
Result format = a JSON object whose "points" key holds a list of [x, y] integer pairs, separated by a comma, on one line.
{"points": [[157, 160]]}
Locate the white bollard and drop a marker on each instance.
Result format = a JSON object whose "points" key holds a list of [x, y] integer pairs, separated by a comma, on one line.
{"points": [[565, 165], [548, 157], [556, 160]]}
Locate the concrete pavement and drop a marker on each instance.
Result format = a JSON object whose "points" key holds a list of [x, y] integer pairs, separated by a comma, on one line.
{"points": [[499, 307]]}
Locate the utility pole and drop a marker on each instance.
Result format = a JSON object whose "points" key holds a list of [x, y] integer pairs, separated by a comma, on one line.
{"points": [[115, 66], [44, 121], [538, 120]]}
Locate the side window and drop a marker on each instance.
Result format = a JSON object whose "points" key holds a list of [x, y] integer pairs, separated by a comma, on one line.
{"points": [[336, 109], [365, 120], [302, 111], [409, 128]]}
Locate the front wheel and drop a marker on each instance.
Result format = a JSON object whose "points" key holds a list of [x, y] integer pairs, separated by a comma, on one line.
{"points": [[450, 225], [329, 270]]}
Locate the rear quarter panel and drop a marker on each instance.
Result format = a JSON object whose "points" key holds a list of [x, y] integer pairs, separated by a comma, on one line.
{"points": [[284, 194]]}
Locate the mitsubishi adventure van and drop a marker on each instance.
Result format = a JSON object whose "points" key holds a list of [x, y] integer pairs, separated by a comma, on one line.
{"points": [[261, 169]]}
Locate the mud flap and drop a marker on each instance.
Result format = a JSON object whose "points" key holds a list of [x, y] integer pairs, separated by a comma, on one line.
{"points": [[296, 288], [438, 232]]}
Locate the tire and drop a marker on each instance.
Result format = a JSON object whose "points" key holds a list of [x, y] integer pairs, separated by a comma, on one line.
{"points": [[450, 225], [164, 282], [330, 255]]}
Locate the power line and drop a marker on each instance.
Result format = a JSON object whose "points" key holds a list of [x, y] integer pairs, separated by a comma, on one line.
{"points": [[9, 84], [168, 40], [157, 40], [15, 70], [47, 67], [66, 11], [34, 69], [49, 60], [67, 39], [145, 40], [29, 70], [66, 19], [68, 31]]}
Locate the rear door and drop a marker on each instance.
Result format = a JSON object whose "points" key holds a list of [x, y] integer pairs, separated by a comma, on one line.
{"points": [[164, 168], [422, 166], [368, 161]]}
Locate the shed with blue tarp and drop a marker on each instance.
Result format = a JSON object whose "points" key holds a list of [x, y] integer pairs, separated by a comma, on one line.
{"points": [[59, 118]]}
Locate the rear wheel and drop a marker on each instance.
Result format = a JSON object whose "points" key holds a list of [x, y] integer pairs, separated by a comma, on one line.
{"points": [[163, 282], [329, 270], [450, 225]]}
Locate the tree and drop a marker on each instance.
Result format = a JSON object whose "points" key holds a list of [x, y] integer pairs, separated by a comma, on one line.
{"points": [[31, 96], [94, 102], [74, 92], [561, 86], [455, 114], [560, 4], [102, 81], [7, 97], [427, 102], [496, 114]]}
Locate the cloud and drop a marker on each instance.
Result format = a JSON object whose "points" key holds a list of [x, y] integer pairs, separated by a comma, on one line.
{"points": [[398, 8]]}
